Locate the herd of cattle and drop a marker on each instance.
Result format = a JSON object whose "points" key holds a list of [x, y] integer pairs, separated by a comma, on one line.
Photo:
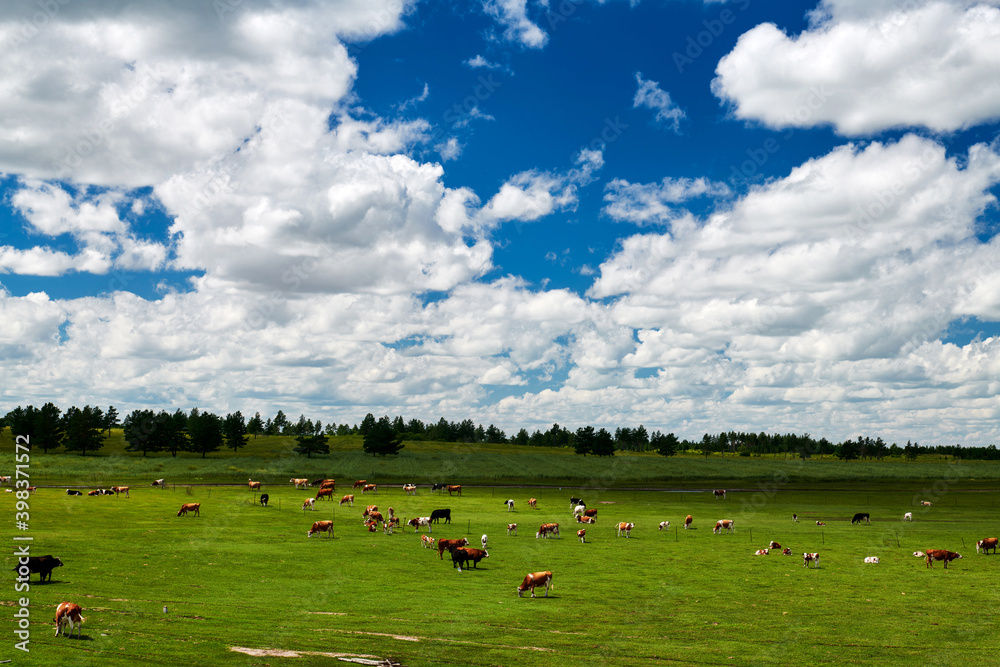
{"points": [[70, 614]]}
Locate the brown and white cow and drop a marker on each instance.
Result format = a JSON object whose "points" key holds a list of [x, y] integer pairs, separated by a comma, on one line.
{"points": [[987, 544], [688, 521], [454, 488], [720, 493], [96, 492], [299, 482], [371, 525], [427, 541], [625, 528], [420, 521], [450, 545], [254, 486], [328, 484], [586, 519], [590, 513], [346, 499], [162, 483], [925, 503], [761, 552], [369, 510], [119, 490], [359, 484], [940, 554], [410, 488], [536, 580], [664, 524], [533, 503], [727, 525], [321, 527], [787, 552], [189, 507], [309, 503], [820, 523], [512, 527], [390, 523], [546, 528], [324, 493], [369, 487], [582, 534], [69, 613], [774, 545], [375, 516], [810, 558]]}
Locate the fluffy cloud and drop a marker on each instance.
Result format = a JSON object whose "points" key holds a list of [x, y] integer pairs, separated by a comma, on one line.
{"points": [[512, 15], [865, 67], [647, 203], [649, 95]]}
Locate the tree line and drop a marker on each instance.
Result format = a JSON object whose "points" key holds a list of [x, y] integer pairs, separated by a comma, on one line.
{"points": [[148, 431]]}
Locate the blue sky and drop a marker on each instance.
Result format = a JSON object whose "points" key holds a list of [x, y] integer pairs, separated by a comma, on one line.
{"points": [[697, 216]]}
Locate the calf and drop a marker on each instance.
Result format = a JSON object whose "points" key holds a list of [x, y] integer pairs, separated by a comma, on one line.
{"points": [[190, 507], [371, 525], [41, 565], [727, 525], [510, 505], [720, 493], [321, 527], [820, 523], [664, 525], [625, 528], [795, 518], [533, 503], [462, 557], [445, 514], [810, 558], [761, 552], [687, 522], [410, 488], [420, 521], [450, 545], [483, 540], [787, 552], [346, 499], [925, 503], [512, 527], [940, 554], [774, 545], [310, 503], [95, 492], [861, 516], [582, 534], [586, 519], [535, 580], [254, 486], [987, 544], [426, 541], [263, 499], [579, 510], [69, 613], [908, 516], [871, 559]]}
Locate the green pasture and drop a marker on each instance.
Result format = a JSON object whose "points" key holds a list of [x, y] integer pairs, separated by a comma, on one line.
{"points": [[245, 576]]}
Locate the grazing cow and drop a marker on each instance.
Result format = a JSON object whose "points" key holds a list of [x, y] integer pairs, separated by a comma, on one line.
{"points": [[590, 513], [820, 523], [426, 541], [359, 484], [410, 488], [321, 527], [309, 503], [582, 534], [579, 510], [5, 479], [454, 488], [263, 499], [31, 489], [664, 525], [536, 580], [391, 513], [393, 522], [371, 525], [437, 487], [437, 515], [871, 559], [387, 527], [42, 565], [117, 490], [925, 503], [940, 554], [787, 552], [69, 613], [774, 545], [299, 483], [510, 527], [987, 544], [369, 487], [510, 505], [462, 557], [727, 525], [324, 493], [483, 540], [626, 528], [375, 516], [918, 554], [861, 516], [162, 483], [369, 510], [346, 499], [908, 516], [533, 503], [189, 507], [420, 521], [328, 484], [546, 528], [574, 501], [795, 518], [761, 552], [73, 492], [810, 558], [254, 486], [687, 522], [720, 493], [586, 519], [450, 545]]}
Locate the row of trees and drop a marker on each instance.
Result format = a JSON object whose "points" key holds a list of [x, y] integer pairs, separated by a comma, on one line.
{"points": [[80, 430]]}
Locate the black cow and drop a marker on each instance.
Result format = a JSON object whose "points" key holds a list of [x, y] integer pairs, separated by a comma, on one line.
{"points": [[461, 557], [263, 499], [861, 516], [315, 482], [73, 492], [441, 514], [43, 565], [577, 501], [437, 487]]}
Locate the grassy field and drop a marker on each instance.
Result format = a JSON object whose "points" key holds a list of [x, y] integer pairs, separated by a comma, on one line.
{"points": [[245, 576]]}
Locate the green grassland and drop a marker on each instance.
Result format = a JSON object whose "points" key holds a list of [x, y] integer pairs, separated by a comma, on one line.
{"points": [[245, 576]]}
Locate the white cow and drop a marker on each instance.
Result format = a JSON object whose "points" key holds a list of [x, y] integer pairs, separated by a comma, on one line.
{"points": [[579, 510], [664, 525], [871, 559], [510, 505], [310, 503], [908, 516], [483, 540]]}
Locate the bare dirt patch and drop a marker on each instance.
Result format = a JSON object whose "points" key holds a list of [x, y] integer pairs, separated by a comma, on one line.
{"points": [[281, 653]]}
